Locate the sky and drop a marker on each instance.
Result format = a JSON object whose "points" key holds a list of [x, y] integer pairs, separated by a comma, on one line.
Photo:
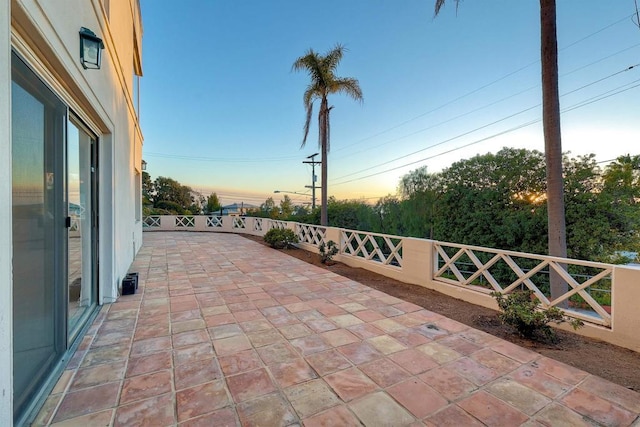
{"points": [[221, 109]]}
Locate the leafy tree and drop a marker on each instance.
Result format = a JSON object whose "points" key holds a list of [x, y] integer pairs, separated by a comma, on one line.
{"points": [[170, 190], [268, 209], [557, 243], [321, 70], [147, 187], [213, 204], [286, 207]]}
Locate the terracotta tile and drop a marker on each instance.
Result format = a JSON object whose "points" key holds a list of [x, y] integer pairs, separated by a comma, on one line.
{"points": [[101, 355], [378, 409], [473, 371], [500, 364], [448, 383], [251, 384], [63, 382], [150, 345], [556, 415], [185, 315], [431, 331], [290, 373], [386, 344], [86, 401], [339, 337], [353, 307], [297, 307], [256, 326], [195, 373], [335, 416], [187, 325], [414, 361], [156, 411], [439, 353], [190, 338], [513, 351], [214, 310], [389, 311], [95, 419], [388, 325], [410, 338], [563, 372], [598, 409], [350, 384], [534, 377], [151, 363], [225, 331], [226, 417], [459, 344], [320, 325], [477, 337], [227, 346], [311, 397], [47, 410], [615, 393], [201, 399], [452, 416], [112, 338], [277, 353], [420, 399], [219, 319], [248, 315], [308, 315], [309, 344], [384, 372], [145, 386], [268, 410], [518, 395], [365, 331], [345, 320], [296, 330], [327, 362], [96, 375], [242, 361], [192, 353], [151, 331], [492, 411], [261, 339], [359, 353]]}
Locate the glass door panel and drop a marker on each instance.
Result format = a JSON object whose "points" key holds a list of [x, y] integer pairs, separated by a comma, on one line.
{"points": [[38, 125], [80, 208]]}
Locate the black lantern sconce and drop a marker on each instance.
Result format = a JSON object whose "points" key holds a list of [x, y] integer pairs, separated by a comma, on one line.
{"points": [[90, 49]]}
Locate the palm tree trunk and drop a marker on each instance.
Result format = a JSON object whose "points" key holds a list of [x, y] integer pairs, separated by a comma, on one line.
{"points": [[552, 141], [324, 117]]}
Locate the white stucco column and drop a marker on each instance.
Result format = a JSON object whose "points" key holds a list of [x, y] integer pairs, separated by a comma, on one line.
{"points": [[6, 287]]}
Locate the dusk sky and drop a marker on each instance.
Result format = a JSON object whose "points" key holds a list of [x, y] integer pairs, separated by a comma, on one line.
{"points": [[222, 111]]}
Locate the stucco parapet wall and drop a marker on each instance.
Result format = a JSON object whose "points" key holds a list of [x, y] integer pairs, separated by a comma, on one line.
{"points": [[418, 266]]}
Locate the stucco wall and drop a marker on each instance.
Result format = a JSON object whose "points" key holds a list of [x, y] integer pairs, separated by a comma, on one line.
{"points": [[6, 352]]}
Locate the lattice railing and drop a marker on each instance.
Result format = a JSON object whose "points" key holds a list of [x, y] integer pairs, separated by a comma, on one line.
{"points": [[274, 223], [214, 222], [311, 234], [257, 224], [239, 222], [491, 270], [381, 248], [151, 222], [185, 221]]}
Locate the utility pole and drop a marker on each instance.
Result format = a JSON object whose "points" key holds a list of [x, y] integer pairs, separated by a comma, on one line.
{"points": [[313, 187]]}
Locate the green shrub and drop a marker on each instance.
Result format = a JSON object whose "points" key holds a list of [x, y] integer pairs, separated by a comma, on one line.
{"points": [[327, 251], [280, 238], [523, 312]]}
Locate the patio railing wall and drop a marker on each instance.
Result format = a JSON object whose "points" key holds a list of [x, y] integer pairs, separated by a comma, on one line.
{"points": [[605, 297]]}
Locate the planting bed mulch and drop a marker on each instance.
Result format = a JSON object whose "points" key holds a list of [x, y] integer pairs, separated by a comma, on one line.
{"points": [[608, 361]]}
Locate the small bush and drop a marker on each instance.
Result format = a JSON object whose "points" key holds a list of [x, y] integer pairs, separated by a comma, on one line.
{"points": [[280, 238], [523, 312], [327, 251]]}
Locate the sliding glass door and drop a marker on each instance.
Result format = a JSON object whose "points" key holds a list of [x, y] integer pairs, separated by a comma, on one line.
{"points": [[54, 169]]}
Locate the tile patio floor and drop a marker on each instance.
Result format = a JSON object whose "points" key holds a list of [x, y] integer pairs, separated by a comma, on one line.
{"points": [[227, 332]]}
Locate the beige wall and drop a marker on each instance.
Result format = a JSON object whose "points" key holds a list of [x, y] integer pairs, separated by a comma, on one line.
{"points": [[6, 288], [45, 33]]}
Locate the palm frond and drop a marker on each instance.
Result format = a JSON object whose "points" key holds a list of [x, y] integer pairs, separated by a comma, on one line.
{"points": [[307, 123], [348, 86], [333, 58], [440, 3]]}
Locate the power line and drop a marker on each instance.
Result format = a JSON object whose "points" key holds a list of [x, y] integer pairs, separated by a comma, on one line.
{"points": [[483, 126], [574, 107], [221, 159], [482, 87], [479, 108]]}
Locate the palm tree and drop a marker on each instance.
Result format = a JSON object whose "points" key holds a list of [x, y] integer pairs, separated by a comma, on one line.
{"points": [[322, 69], [552, 138]]}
